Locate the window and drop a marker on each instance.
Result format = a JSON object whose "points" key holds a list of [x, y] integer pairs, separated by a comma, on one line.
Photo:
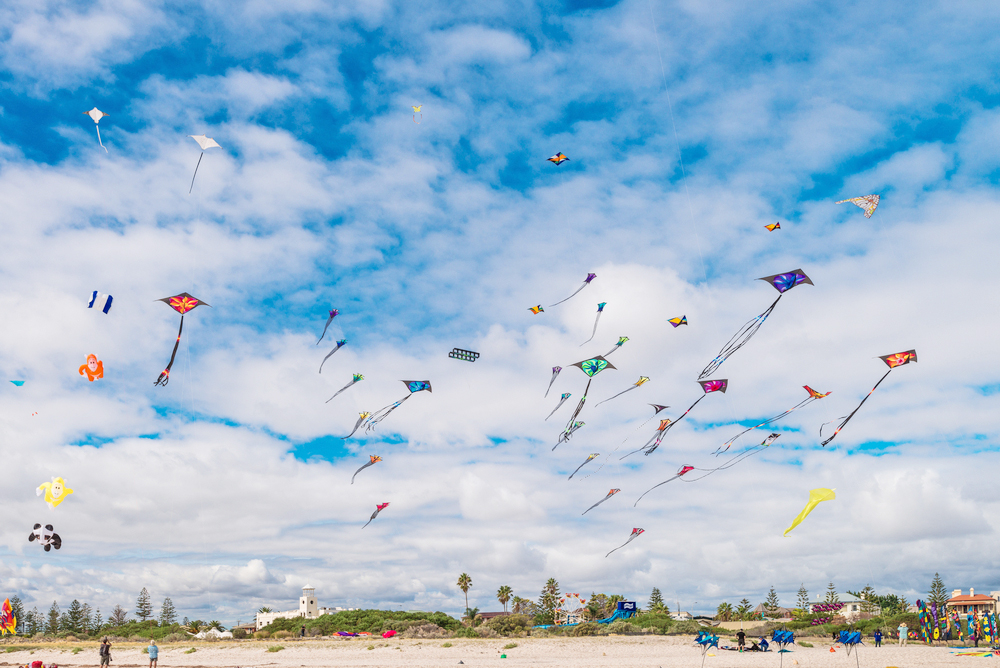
{"points": [[854, 608]]}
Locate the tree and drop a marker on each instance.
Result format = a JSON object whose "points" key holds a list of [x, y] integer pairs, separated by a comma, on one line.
{"points": [[771, 604], [868, 598], [74, 617], [831, 594], [744, 609], [98, 622], [215, 624], [33, 623], [464, 583], [143, 607], [523, 606], [938, 594], [262, 610], [724, 613], [503, 595], [118, 616], [802, 602], [85, 621], [52, 625], [656, 601], [472, 615], [168, 614], [548, 600], [17, 608], [184, 622]]}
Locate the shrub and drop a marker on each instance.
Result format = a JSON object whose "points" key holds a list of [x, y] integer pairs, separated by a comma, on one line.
{"points": [[262, 635], [145, 650], [239, 634], [447, 644], [371, 646], [804, 643], [466, 632], [652, 622], [371, 621], [278, 635], [687, 627], [427, 630], [510, 645], [275, 648], [484, 631], [510, 625], [190, 651], [622, 627], [174, 637], [586, 629], [77, 650], [138, 638]]}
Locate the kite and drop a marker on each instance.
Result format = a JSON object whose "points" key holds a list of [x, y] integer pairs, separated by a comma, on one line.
{"points": [[813, 396], [707, 642], [55, 492], [19, 383], [555, 372], [569, 431], [850, 640], [677, 322], [586, 282], [333, 314], [381, 414], [416, 110], [46, 537], [869, 203], [773, 226], [591, 367], [707, 386], [8, 622], [641, 381], [466, 355], [356, 379], [600, 310], [379, 508], [361, 419], [181, 303], [102, 302], [340, 344], [892, 361], [734, 461], [562, 400], [816, 496], [621, 342], [205, 143], [93, 369], [587, 461], [780, 282], [558, 159], [681, 471], [536, 309], [610, 494], [96, 115], [635, 534], [375, 459], [654, 441]]}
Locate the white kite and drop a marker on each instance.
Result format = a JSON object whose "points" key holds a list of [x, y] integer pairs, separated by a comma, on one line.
{"points": [[205, 143], [96, 114]]}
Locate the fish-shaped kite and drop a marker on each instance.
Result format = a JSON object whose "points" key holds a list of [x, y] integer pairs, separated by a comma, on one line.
{"points": [[416, 110], [100, 301], [205, 143], [677, 322], [773, 226], [869, 203], [892, 361], [635, 534], [621, 342], [361, 420], [681, 471], [536, 309], [609, 495], [96, 115], [816, 497], [591, 367], [379, 508], [181, 303], [562, 400], [600, 310], [586, 282], [55, 492], [813, 396], [587, 461], [375, 459], [780, 282], [558, 159], [707, 386], [340, 344], [413, 386], [333, 314], [555, 372], [357, 378], [642, 380]]}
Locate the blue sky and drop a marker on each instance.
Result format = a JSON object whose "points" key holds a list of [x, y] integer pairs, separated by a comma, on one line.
{"points": [[229, 488]]}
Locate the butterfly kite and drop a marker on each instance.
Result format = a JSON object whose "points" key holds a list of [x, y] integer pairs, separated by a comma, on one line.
{"points": [[600, 310], [587, 461], [813, 396], [816, 497], [96, 115], [99, 301], [8, 622], [677, 322], [621, 342], [555, 372], [375, 459], [642, 380], [562, 400], [707, 386], [416, 110], [681, 471], [869, 203], [635, 534], [55, 492], [333, 314], [780, 282], [892, 361], [558, 159], [205, 143], [181, 303], [357, 378], [586, 282], [609, 495], [340, 344], [591, 367], [773, 226], [379, 508], [413, 386], [361, 420], [536, 309]]}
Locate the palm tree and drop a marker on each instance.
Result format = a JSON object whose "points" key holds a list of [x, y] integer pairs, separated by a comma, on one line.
{"points": [[464, 582], [215, 624], [724, 612], [194, 628], [264, 609], [472, 614], [503, 595]]}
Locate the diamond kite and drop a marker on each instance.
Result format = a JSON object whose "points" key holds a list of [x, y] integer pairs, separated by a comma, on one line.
{"points": [[96, 115], [333, 314], [555, 372], [46, 537], [558, 158], [357, 378], [635, 534], [816, 497], [591, 367], [813, 396], [205, 143], [466, 355], [600, 310], [586, 282], [562, 400], [340, 344], [773, 226], [677, 322], [55, 492], [93, 369], [181, 303], [102, 302], [374, 459], [869, 203], [587, 461], [642, 380], [609, 495], [379, 508]]}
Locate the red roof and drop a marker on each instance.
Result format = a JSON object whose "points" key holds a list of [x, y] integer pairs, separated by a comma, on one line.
{"points": [[978, 598]]}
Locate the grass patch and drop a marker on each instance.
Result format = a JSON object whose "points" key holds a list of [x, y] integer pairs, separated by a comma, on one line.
{"points": [[77, 650], [803, 643], [190, 651], [510, 645], [275, 648], [371, 646], [447, 644]]}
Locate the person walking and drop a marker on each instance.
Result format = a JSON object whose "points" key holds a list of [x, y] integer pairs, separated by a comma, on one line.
{"points": [[903, 629], [878, 637], [975, 637], [105, 652], [154, 652]]}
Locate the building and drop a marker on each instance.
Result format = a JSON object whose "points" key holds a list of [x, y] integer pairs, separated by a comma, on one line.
{"points": [[851, 610], [973, 602], [777, 613], [308, 609]]}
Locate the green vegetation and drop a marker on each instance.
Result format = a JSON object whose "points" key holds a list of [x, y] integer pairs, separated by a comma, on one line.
{"points": [[510, 645], [190, 651], [588, 629], [275, 648], [372, 621], [464, 582], [447, 644], [805, 644], [659, 622], [510, 625], [371, 646], [77, 650]]}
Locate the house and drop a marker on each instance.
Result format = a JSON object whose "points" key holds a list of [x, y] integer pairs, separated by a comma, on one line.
{"points": [[973, 602], [307, 610], [850, 610], [776, 613]]}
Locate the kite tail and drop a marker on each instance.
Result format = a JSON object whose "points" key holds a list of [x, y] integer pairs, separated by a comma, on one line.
{"points": [[339, 391], [552, 382], [618, 548], [328, 357], [356, 427], [617, 395], [99, 138], [356, 475], [324, 328], [572, 295], [848, 418], [554, 410], [652, 488], [196, 172], [594, 333], [738, 341], [671, 426], [165, 376], [383, 413], [368, 522], [725, 446], [577, 470]]}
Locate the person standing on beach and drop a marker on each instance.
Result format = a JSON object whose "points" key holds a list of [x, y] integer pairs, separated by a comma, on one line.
{"points": [[902, 633], [878, 637], [105, 652], [303, 632], [154, 652], [741, 639]]}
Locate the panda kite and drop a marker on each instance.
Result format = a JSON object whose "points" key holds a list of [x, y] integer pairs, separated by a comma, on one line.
{"points": [[46, 537]]}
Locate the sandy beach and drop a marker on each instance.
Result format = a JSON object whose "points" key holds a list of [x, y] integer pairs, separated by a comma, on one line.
{"points": [[602, 652]]}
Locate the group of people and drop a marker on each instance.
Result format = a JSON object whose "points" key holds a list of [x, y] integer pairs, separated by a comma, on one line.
{"points": [[741, 639], [105, 652]]}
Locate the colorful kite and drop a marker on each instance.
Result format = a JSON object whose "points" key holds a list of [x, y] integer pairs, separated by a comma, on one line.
{"points": [[8, 622], [462, 354], [869, 203], [46, 537], [621, 342], [379, 508], [892, 361], [93, 369], [773, 226], [333, 314], [850, 640], [600, 310], [816, 496], [562, 400], [641, 381], [591, 367], [361, 420], [181, 303], [681, 471], [555, 372], [587, 461], [568, 432], [677, 322], [205, 143], [635, 534], [558, 158], [739, 457], [416, 110], [586, 282], [536, 309], [707, 641], [413, 386], [356, 379], [780, 282], [103, 302], [813, 396], [707, 386], [55, 492], [375, 459], [654, 441], [609, 495], [96, 115], [340, 344]]}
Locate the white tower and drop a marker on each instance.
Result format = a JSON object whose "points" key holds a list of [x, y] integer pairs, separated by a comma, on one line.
{"points": [[307, 604]]}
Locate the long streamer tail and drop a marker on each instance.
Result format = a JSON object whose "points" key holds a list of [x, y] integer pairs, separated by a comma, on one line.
{"points": [[99, 138], [652, 488], [848, 418], [196, 172], [739, 339], [165, 375], [594, 333], [359, 471], [571, 296], [725, 446], [327, 357], [339, 391]]}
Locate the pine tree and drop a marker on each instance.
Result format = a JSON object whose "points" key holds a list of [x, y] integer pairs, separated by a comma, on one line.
{"points": [[143, 608], [85, 624], [74, 617], [97, 622], [771, 604], [32, 623], [744, 609], [52, 626], [17, 608], [549, 598], [168, 615], [802, 602], [119, 617], [656, 601], [938, 594], [185, 622], [831, 595], [869, 600]]}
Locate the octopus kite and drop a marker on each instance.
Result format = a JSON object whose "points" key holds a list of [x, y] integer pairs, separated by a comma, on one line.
{"points": [[374, 459], [562, 400], [638, 383], [600, 310], [586, 282], [608, 496], [555, 372], [333, 314]]}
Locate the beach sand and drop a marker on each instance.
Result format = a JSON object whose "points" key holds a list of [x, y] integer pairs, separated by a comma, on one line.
{"points": [[591, 652]]}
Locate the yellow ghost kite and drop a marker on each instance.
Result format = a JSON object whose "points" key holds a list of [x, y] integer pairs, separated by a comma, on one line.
{"points": [[55, 491]]}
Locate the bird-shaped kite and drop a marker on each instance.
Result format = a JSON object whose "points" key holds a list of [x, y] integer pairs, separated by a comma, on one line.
{"points": [[642, 380], [536, 309], [379, 508], [707, 386], [96, 115], [635, 534], [562, 400], [8, 622], [555, 372], [621, 342], [892, 361], [375, 459], [677, 322], [600, 310], [773, 226], [681, 471], [586, 282], [361, 420], [413, 386], [609, 495], [205, 143], [181, 303], [813, 396], [340, 344], [416, 110], [591, 367], [558, 159], [780, 282], [587, 461], [333, 314], [869, 203], [100, 301], [356, 379], [55, 492], [816, 497]]}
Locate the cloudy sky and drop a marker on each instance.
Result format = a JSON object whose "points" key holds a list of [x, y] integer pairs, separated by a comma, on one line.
{"points": [[689, 126]]}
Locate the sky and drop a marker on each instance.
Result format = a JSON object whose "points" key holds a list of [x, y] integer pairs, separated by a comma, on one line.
{"points": [[689, 126]]}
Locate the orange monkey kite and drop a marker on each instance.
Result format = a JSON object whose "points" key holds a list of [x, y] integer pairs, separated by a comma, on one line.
{"points": [[94, 368]]}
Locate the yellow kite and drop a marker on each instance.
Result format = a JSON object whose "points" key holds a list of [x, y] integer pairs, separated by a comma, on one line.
{"points": [[815, 496]]}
